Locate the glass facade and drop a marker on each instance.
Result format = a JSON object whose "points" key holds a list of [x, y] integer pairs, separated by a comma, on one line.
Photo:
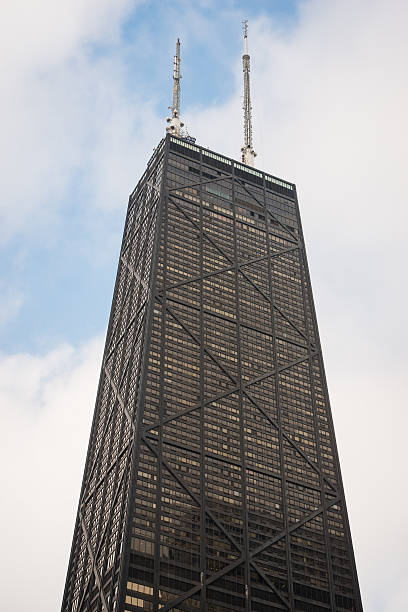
{"points": [[212, 479]]}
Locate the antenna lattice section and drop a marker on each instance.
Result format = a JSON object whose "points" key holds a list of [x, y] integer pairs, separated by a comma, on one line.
{"points": [[248, 153]]}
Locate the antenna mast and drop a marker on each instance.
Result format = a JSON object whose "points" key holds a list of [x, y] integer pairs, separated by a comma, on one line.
{"points": [[175, 124], [248, 153]]}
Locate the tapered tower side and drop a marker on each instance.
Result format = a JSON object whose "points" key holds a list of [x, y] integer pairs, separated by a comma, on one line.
{"points": [[97, 554]]}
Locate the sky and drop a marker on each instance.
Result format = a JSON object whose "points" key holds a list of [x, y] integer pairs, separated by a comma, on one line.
{"points": [[86, 86]]}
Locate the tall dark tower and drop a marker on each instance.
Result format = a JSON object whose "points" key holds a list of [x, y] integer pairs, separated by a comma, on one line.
{"points": [[212, 480]]}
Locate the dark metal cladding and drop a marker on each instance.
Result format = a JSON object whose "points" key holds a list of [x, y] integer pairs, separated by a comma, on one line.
{"points": [[212, 480]]}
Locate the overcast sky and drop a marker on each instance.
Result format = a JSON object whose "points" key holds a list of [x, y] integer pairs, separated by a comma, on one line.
{"points": [[85, 89]]}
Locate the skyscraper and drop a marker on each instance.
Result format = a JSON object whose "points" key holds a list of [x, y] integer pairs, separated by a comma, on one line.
{"points": [[212, 480]]}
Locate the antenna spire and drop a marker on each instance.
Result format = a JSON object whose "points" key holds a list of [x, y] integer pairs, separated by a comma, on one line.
{"points": [[174, 122], [248, 153]]}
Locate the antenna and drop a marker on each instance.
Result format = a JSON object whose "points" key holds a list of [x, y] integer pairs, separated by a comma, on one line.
{"points": [[248, 153], [174, 122]]}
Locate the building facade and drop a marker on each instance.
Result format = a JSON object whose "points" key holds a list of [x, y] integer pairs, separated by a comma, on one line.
{"points": [[212, 480]]}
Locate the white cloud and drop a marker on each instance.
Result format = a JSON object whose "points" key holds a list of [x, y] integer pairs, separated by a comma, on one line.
{"points": [[65, 110], [46, 417], [36, 35], [371, 420]]}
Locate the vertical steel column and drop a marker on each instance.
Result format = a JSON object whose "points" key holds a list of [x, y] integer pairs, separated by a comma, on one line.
{"points": [[203, 520], [241, 407], [162, 408], [278, 408]]}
